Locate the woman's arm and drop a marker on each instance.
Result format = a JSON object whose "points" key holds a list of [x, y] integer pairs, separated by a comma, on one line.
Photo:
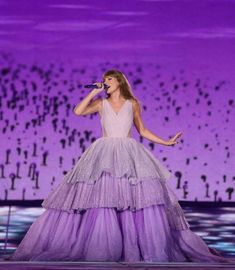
{"points": [[144, 132], [86, 106]]}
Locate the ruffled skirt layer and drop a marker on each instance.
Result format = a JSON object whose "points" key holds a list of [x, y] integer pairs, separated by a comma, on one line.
{"points": [[105, 234]]}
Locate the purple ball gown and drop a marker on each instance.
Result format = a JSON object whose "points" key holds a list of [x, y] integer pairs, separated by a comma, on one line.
{"points": [[114, 205]]}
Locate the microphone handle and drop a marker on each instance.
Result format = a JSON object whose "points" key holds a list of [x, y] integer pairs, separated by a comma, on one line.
{"points": [[95, 86], [91, 86]]}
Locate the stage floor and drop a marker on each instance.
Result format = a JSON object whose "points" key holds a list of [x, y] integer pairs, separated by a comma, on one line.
{"points": [[111, 265]]}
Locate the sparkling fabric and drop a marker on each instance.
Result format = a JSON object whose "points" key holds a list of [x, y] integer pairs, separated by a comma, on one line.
{"points": [[114, 205], [121, 156]]}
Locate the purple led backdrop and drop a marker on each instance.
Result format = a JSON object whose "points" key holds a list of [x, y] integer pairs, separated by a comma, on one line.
{"points": [[179, 57]]}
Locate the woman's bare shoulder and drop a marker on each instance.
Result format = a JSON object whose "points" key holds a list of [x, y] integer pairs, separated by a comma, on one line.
{"points": [[134, 101], [136, 105]]}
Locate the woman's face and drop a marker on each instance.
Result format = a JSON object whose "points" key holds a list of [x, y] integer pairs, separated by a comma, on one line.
{"points": [[112, 82]]}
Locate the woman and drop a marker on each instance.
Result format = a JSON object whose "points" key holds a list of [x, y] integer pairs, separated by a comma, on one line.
{"points": [[115, 204]]}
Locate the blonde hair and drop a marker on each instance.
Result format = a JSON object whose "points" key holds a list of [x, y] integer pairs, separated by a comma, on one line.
{"points": [[124, 85]]}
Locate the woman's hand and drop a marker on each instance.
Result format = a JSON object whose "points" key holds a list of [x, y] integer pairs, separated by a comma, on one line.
{"points": [[98, 90], [173, 140]]}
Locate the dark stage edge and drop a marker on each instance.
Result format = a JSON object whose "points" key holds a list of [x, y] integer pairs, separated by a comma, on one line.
{"points": [[113, 265]]}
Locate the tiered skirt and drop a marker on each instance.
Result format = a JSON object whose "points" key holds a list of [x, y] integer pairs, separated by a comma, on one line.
{"points": [[114, 205]]}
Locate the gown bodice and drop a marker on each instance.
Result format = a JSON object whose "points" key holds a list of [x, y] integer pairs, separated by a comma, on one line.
{"points": [[115, 124]]}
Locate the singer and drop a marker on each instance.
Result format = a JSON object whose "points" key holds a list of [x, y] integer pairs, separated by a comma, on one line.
{"points": [[115, 203]]}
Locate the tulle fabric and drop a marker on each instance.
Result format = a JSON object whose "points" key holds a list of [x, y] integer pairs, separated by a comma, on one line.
{"points": [[106, 234]]}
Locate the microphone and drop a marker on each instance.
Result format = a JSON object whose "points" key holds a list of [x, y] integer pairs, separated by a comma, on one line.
{"points": [[96, 86]]}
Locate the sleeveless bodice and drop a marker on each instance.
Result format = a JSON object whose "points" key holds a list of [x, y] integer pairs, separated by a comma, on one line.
{"points": [[115, 124]]}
